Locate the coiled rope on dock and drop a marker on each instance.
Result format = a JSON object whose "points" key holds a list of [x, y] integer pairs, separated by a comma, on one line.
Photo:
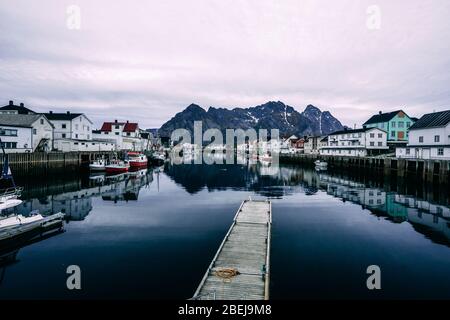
{"points": [[227, 273]]}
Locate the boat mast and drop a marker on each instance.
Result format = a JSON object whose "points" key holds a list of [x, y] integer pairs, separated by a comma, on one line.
{"points": [[6, 172]]}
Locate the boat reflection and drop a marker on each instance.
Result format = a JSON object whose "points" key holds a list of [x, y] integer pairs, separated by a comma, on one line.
{"points": [[76, 203]]}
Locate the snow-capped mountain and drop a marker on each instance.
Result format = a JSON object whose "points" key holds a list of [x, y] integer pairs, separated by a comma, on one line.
{"points": [[271, 115]]}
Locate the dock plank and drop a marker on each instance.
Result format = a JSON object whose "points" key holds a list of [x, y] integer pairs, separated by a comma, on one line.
{"points": [[246, 248]]}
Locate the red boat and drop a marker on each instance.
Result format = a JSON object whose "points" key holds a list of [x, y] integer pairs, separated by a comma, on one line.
{"points": [[137, 160], [116, 167]]}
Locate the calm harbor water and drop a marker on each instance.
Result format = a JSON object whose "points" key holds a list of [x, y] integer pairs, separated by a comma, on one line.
{"points": [[152, 235]]}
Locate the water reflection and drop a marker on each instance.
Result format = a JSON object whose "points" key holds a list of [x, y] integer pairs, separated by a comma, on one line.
{"points": [[428, 218], [76, 203]]}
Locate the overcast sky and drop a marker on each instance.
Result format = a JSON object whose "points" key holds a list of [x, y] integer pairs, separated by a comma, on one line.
{"points": [[147, 60]]}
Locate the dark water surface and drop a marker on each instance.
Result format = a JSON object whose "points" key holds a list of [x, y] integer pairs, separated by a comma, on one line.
{"points": [[154, 235]]}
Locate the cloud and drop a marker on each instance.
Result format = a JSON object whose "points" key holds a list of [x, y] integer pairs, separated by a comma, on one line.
{"points": [[145, 61]]}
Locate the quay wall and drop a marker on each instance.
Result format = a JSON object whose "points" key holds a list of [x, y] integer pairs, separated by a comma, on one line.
{"points": [[427, 170], [27, 163]]}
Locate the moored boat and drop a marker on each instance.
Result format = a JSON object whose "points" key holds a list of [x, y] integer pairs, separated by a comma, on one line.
{"points": [[98, 165], [116, 167], [137, 160]]}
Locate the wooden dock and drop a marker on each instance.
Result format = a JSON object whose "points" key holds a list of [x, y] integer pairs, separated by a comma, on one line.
{"points": [[241, 267]]}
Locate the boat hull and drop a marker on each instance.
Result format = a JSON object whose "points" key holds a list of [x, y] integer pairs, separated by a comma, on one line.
{"points": [[138, 164], [116, 170]]}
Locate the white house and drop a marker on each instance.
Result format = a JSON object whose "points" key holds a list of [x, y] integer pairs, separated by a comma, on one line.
{"points": [[74, 126], [73, 133], [356, 143], [126, 135], [429, 138], [25, 133], [311, 145]]}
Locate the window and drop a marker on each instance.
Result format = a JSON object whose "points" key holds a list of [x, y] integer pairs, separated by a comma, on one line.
{"points": [[349, 152], [360, 135], [380, 135], [408, 151], [372, 135], [437, 138], [8, 132], [128, 134], [76, 143], [42, 121], [372, 144], [440, 151], [88, 136], [34, 131], [117, 127], [408, 124], [64, 126], [380, 144], [76, 127], [117, 133], [9, 145], [382, 126], [401, 124], [393, 134], [393, 124], [421, 139], [76, 136]]}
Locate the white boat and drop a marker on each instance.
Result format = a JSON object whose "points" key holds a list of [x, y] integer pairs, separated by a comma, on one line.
{"points": [[19, 220], [18, 225], [98, 165]]}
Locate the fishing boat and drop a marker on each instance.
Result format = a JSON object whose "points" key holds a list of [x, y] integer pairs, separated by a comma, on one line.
{"points": [[116, 167], [137, 160], [98, 165]]}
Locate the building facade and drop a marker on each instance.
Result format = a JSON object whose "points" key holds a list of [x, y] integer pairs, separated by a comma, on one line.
{"points": [[396, 124], [73, 126], [429, 138], [25, 133], [356, 143], [126, 135]]}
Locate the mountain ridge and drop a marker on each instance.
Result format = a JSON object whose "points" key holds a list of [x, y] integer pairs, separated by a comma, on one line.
{"points": [[270, 115]]}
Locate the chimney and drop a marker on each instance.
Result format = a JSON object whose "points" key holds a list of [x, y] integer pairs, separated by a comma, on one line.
{"points": [[115, 121], [68, 112], [21, 104], [379, 112], [11, 102], [128, 121], [51, 112]]}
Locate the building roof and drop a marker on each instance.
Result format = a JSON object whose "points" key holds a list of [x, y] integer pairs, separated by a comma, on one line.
{"points": [[383, 117], [351, 131], [67, 116], [127, 126], [20, 109], [431, 120], [19, 120]]}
